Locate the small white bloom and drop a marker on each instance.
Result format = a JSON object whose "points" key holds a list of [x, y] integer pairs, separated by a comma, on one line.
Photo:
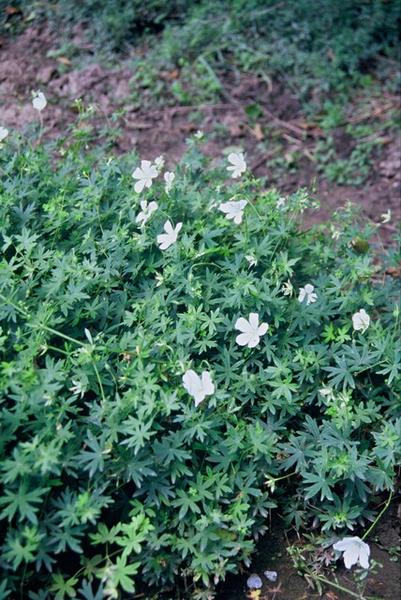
{"points": [[144, 174], [146, 212], [165, 240], [198, 387], [287, 288], [251, 330], [354, 551], [168, 178], [79, 387], [327, 392], [335, 234], [386, 217], [308, 293], [159, 162], [270, 575], [254, 582], [233, 210], [281, 202], [3, 133], [251, 260], [199, 135], [39, 101], [238, 164], [361, 320]]}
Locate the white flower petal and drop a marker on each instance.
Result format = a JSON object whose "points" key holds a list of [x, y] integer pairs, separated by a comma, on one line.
{"points": [[243, 325], [242, 339], [253, 340], [207, 383], [39, 101], [350, 556], [263, 329], [139, 185], [254, 320], [3, 133]]}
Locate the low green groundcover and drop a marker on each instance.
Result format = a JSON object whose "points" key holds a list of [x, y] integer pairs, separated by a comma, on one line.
{"points": [[165, 386]]}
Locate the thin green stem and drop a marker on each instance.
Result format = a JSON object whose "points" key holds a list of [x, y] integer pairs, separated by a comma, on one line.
{"points": [[25, 313], [99, 382], [57, 333], [338, 587], [379, 516], [275, 479]]}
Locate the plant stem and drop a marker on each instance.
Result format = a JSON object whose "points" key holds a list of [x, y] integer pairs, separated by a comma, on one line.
{"points": [[383, 510], [338, 587]]}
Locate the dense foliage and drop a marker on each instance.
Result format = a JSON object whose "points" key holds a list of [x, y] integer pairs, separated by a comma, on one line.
{"points": [[110, 474], [321, 44]]}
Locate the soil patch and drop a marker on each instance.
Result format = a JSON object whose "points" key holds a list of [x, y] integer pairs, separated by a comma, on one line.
{"points": [[272, 555], [33, 61]]}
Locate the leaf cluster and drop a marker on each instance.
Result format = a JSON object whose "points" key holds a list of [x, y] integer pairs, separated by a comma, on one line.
{"points": [[110, 476]]}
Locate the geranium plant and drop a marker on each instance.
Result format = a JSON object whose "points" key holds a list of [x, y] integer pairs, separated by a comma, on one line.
{"points": [[158, 371]]}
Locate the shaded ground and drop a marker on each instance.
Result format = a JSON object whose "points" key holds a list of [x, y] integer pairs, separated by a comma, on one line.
{"points": [[262, 117], [273, 556], [280, 144]]}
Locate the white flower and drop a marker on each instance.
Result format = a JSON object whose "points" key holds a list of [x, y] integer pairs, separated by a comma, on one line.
{"points": [[361, 320], [3, 133], [199, 134], [287, 288], [254, 582], [159, 162], [281, 202], [168, 178], [386, 217], [252, 261], [144, 174], [238, 164], [39, 101], [165, 240], [327, 392], [354, 551], [146, 212], [233, 210], [198, 387], [308, 293], [270, 575], [251, 330]]}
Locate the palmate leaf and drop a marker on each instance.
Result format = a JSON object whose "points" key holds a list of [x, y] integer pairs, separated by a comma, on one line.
{"points": [[87, 593], [78, 455], [318, 483], [22, 502], [341, 375], [122, 574]]}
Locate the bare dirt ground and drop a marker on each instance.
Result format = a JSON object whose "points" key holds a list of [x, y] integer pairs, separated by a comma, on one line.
{"points": [[385, 584], [32, 61]]}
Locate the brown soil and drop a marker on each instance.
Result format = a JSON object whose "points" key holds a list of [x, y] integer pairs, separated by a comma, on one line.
{"points": [[272, 555], [26, 64]]}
